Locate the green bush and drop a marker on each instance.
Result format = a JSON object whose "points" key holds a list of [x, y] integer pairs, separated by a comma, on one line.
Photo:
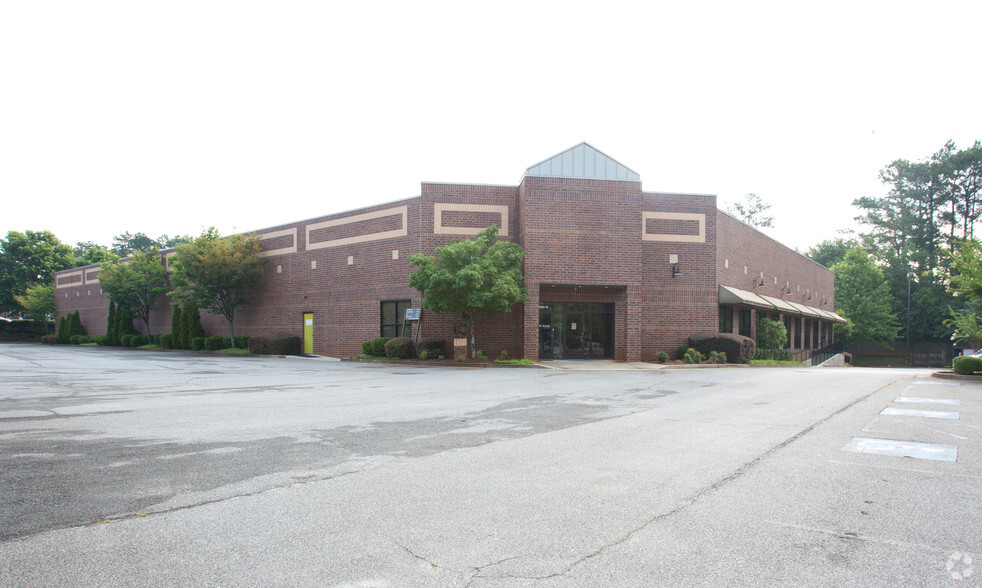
{"points": [[176, 328], [400, 347], [62, 332], [241, 342], [101, 340], [214, 343], [49, 339], [692, 356], [166, 341], [680, 351], [774, 354], [259, 345], [662, 357], [286, 345], [717, 357], [192, 326], [432, 348], [198, 344], [139, 341], [79, 339], [375, 347], [771, 334], [738, 349], [966, 364]]}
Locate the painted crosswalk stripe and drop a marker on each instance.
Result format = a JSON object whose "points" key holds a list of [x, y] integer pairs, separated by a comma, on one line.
{"points": [[932, 451]]}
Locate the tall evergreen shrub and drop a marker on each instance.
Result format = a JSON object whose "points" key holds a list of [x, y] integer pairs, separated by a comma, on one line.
{"points": [[177, 329], [124, 324], [62, 334], [111, 324], [192, 325]]}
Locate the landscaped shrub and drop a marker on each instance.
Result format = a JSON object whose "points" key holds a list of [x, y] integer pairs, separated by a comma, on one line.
{"points": [[432, 348], [966, 364], [62, 333], [680, 351], [401, 347], [692, 356], [215, 343], [49, 339], [101, 340], [717, 357], [774, 354], [198, 344], [166, 341], [286, 345], [139, 341], [241, 342], [176, 328], [192, 326], [111, 324], [259, 345], [375, 347], [738, 349], [662, 357], [125, 340], [124, 323], [79, 339]]}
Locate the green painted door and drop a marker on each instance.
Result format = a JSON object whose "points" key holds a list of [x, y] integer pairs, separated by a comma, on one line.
{"points": [[308, 332]]}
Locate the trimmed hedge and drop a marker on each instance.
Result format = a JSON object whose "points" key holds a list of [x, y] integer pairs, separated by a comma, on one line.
{"points": [[259, 345], [774, 354], [401, 347], [49, 339], [241, 342], [79, 339], [375, 347], [738, 349], [198, 344], [214, 343], [286, 345], [966, 364], [166, 341]]}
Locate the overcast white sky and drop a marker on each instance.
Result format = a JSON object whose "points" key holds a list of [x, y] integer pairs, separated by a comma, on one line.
{"points": [[169, 117]]}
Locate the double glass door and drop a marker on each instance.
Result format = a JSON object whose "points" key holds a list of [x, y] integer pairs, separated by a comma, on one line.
{"points": [[576, 330]]}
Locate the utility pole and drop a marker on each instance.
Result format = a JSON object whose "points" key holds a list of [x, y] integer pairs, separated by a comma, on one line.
{"points": [[910, 359]]}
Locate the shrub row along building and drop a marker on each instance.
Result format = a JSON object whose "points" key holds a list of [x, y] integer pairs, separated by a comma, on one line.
{"points": [[612, 271]]}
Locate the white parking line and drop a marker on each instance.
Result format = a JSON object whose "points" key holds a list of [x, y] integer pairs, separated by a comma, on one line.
{"points": [[932, 451], [918, 400], [932, 414]]}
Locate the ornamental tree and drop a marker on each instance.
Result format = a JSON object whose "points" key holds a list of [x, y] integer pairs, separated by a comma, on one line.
{"points": [[216, 273], [136, 283], [39, 302], [471, 277]]}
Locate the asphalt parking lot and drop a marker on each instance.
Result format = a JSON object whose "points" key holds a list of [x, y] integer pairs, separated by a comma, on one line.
{"points": [[129, 468]]}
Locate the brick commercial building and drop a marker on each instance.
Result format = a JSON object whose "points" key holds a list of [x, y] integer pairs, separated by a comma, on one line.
{"points": [[612, 271]]}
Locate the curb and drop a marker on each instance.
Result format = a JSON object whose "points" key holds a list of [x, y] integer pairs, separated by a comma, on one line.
{"points": [[953, 376]]}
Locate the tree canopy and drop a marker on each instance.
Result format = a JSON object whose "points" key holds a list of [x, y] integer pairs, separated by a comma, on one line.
{"points": [[753, 211], [125, 244], [27, 258], [216, 273], [136, 284], [863, 297], [39, 302], [471, 277]]}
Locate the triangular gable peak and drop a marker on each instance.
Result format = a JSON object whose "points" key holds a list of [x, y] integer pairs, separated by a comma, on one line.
{"points": [[584, 162]]}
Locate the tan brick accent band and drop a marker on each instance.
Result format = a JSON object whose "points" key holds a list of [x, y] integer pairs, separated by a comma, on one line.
{"points": [[440, 207], [68, 280], [282, 250], [401, 210], [699, 237]]}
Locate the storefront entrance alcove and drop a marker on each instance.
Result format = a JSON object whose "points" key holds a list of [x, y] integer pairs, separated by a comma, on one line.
{"points": [[577, 329]]}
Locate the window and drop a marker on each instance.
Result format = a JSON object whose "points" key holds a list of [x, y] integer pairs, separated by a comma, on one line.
{"points": [[745, 322], [797, 333], [787, 329], [393, 313], [808, 333], [725, 319]]}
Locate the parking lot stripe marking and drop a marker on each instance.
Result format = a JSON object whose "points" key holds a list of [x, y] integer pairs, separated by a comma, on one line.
{"points": [[952, 435], [927, 383], [918, 400], [931, 414], [932, 451]]}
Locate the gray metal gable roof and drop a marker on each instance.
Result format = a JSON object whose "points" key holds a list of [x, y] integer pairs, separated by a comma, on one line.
{"points": [[583, 161]]}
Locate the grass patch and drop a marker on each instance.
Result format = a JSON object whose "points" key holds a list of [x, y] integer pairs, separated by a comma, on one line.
{"points": [[514, 361], [89, 344], [363, 356], [150, 346], [234, 351], [773, 362]]}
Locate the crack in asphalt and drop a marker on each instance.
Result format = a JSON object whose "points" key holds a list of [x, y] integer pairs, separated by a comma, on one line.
{"points": [[693, 499]]}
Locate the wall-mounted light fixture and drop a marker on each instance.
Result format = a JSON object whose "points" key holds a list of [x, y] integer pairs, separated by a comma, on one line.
{"points": [[673, 259], [758, 282], [824, 300], [787, 289]]}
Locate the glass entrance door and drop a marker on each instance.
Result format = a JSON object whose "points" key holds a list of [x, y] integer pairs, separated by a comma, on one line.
{"points": [[574, 330]]}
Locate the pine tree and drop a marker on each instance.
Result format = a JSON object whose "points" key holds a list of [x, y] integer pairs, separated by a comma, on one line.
{"points": [[62, 333], [177, 328], [124, 324]]}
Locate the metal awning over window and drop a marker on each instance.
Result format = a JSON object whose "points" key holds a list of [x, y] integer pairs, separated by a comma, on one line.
{"points": [[728, 295]]}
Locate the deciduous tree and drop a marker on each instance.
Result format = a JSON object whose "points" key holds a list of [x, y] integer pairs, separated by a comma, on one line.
{"points": [[863, 297], [471, 277], [39, 301], [31, 257], [217, 274], [753, 211], [137, 283]]}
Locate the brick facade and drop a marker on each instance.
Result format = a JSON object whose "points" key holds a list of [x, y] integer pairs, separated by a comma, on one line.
{"points": [[657, 258]]}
